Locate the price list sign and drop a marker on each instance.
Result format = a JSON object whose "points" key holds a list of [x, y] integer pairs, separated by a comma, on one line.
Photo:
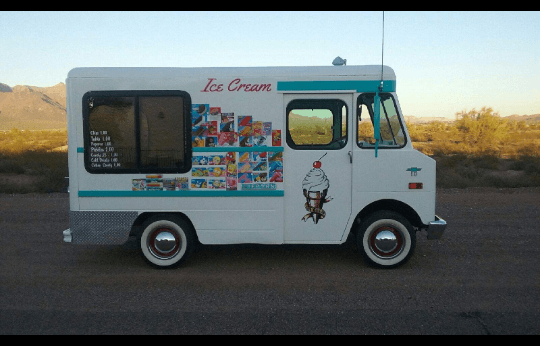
{"points": [[102, 152]]}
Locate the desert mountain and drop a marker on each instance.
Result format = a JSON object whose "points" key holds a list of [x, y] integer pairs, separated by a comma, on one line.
{"points": [[422, 120], [32, 108], [527, 118], [5, 88]]}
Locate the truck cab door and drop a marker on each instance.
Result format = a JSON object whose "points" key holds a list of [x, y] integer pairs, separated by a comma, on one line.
{"points": [[318, 167]]}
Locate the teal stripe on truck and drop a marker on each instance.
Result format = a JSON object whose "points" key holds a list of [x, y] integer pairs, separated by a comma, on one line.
{"points": [[330, 85]]}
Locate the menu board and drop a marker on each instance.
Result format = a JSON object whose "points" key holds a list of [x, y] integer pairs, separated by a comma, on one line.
{"points": [[103, 154]]}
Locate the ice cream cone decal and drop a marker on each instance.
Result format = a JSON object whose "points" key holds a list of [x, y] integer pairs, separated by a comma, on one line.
{"points": [[315, 187]]}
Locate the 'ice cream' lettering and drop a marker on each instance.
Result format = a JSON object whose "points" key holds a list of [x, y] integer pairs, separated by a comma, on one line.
{"points": [[235, 85]]}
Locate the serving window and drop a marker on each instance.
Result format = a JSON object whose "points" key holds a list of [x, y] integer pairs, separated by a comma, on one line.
{"points": [[137, 131]]}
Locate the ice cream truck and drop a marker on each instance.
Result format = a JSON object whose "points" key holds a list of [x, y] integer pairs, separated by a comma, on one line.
{"points": [[269, 155]]}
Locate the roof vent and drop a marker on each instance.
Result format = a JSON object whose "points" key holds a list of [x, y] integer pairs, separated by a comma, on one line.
{"points": [[339, 62]]}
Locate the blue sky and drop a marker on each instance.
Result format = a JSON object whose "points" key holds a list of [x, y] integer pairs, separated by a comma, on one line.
{"points": [[445, 62]]}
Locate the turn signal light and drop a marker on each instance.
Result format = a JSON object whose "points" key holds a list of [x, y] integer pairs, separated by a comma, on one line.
{"points": [[414, 186]]}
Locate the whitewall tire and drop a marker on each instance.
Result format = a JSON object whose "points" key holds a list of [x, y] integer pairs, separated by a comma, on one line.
{"points": [[386, 239], [166, 241]]}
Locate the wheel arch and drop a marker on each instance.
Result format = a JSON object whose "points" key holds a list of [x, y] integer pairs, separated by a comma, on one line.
{"points": [[392, 205], [136, 228]]}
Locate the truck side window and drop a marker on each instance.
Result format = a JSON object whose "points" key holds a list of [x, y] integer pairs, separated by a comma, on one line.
{"points": [[137, 131], [111, 134], [392, 134], [317, 124], [161, 131]]}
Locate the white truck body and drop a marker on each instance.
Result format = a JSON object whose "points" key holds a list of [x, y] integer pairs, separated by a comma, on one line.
{"points": [[261, 199]]}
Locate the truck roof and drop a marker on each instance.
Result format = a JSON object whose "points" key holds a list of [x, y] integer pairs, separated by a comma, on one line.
{"points": [[362, 72]]}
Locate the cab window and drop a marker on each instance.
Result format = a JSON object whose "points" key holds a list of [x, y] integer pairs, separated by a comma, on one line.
{"points": [[392, 134], [317, 124]]}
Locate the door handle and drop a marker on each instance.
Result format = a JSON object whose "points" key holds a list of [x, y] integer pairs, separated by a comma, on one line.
{"points": [[350, 156]]}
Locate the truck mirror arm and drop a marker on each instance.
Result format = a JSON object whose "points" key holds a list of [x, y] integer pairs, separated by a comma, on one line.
{"points": [[376, 120]]}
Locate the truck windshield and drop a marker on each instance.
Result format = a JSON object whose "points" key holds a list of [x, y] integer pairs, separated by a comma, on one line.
{"points": [[391, 128]]}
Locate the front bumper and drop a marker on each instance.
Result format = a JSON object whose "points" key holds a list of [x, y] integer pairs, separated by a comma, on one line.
{"points": [[435, 229]]}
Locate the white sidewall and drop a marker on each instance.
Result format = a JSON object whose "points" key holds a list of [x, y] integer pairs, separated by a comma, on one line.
{"points": [[150, 256], [406, 239]]}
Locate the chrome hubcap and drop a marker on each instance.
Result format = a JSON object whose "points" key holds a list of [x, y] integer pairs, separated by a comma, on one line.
{"points": [[164, 243], [386, 242]]}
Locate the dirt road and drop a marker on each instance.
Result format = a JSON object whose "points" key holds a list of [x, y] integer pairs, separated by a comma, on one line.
{"points": [[483, 277]]}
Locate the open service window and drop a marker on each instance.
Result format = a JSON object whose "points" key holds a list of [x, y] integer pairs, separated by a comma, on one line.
{"points": [[137, 131]]}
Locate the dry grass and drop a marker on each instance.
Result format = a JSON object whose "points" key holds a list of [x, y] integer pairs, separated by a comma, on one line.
{"points": [[481, 150], [28, 164]]}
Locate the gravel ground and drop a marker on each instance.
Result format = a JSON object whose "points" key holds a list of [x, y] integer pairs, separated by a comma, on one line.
{"points": [[483, 277]]}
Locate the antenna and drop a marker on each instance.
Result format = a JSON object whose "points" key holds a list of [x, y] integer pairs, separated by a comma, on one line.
{"points": [[377, 102], [382, 53]]}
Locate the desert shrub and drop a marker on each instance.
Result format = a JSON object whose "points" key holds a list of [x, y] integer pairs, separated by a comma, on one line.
{"points": [[29, 152], [17, 141], [531, 165], [451, 179], [417, 132], [483, 129], [11, 188], [487, 161], [470, 151], [365, 131], [50, 167], [310, 130], [510, 182], [449, 161], [10, 166], [469, 172], [528, 150]]}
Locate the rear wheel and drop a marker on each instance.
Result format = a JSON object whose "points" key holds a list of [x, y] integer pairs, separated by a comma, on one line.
{"points": [[386, 239], [166, 241]]}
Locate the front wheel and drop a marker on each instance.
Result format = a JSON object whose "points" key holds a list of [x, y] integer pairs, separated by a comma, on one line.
{"points": [[386, 239], [166, 241]]}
